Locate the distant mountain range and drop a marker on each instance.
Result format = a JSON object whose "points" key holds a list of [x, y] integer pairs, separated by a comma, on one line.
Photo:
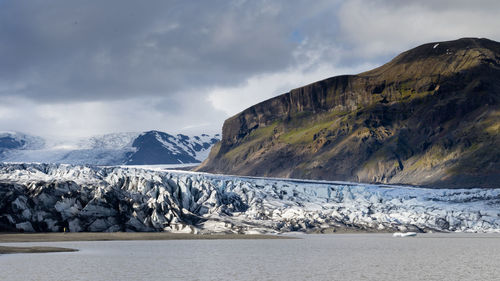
{"points": [[431, 116], [147, 148]]}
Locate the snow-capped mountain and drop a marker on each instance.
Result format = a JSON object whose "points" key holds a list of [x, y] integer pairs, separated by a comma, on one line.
{"points": [[156, 147], [18, 141], [48, 197], [151, 147]]}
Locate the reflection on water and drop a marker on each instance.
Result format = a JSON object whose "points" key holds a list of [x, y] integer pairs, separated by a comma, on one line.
{"points": [[315, 257]]}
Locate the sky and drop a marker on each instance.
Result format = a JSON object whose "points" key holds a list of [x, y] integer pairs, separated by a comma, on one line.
{"points": [[82, 68]]}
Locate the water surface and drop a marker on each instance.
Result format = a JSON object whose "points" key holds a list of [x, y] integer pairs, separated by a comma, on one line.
{"points": [[314, 257]]}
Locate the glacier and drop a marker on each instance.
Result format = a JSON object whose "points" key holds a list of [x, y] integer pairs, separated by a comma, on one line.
{"points": [[49, 197]]}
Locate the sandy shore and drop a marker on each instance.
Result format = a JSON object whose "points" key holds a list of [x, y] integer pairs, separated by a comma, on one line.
{"points": [[102, 236]]}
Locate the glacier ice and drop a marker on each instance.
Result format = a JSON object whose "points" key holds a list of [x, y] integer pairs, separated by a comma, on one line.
{"points": [[48, 197]]}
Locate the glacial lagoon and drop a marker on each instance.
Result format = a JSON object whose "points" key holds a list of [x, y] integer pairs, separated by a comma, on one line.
{"points": [[434, 256]]}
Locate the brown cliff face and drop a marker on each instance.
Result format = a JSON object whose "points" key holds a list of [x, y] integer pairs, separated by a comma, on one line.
{"points": [[431, 117]]}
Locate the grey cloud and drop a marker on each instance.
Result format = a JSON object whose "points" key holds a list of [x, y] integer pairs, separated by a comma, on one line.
{"points": [[382, 28], [66, 51], [59, 51], [442, 5]]}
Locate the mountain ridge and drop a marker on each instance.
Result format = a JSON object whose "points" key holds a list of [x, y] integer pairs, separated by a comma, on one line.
{"points": [[147, 148], [428, 117]]}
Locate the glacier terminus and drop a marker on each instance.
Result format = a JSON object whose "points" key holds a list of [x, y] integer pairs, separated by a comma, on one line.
{"points": [[50, 197]]}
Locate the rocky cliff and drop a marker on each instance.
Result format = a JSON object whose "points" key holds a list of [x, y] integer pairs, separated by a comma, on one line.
{"points": [[431, 116]]}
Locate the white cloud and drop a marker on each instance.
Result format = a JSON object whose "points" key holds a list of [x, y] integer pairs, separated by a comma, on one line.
{"points": [[379, 28], [80, 119], [258, 88]]}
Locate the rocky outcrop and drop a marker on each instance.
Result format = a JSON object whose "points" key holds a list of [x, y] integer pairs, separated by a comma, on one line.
{"points": [[429, 117], [84, 198]]}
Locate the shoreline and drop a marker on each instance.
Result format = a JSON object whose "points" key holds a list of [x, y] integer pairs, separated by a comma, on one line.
{"points": [[118, 236], [33, 250]]}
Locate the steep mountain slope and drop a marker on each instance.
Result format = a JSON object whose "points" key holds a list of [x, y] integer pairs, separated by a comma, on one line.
{"points": [[431, 116], [151, 147]]}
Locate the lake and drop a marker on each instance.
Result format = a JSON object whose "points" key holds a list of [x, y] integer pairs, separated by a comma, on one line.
{"points": [[313, 257]]}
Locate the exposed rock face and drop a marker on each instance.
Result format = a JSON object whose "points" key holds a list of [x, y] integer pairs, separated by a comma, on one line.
{"points": [[430, 117], [84, 198]]}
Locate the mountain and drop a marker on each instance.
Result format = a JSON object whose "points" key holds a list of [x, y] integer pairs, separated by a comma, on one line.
{"points": [[18, 141], [156, 147], [48, 197], [431, 117], [152, 147]]}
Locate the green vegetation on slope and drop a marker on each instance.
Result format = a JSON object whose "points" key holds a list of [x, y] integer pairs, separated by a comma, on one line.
{"points": [[428, 117]]}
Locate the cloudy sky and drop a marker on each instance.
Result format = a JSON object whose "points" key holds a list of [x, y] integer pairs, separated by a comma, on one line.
{"points": [[80, 68]]}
